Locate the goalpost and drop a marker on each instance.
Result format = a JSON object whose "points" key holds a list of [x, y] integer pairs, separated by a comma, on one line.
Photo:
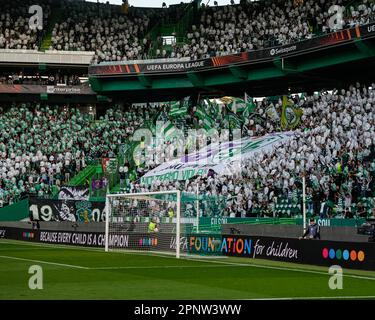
{"points": [[164, 222], [148, 221]]}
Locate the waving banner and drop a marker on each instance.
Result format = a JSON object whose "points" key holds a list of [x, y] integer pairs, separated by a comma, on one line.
{"points": [[224, 158], [74, 193]]}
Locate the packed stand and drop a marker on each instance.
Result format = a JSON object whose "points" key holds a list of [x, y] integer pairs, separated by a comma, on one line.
{"points": [[45, 146], [104, 29], [333, 147], [15, 32], [231, 29], [118, 34]]}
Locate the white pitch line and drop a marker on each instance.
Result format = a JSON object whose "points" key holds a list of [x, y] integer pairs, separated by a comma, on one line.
{"points": [[45, 262], [23, 249], [190, 259], [158, 267], [281, 268], [51, 246], [317, 298]]}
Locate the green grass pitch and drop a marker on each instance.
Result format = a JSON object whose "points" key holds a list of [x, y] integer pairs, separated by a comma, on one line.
{"points": [[83, 273]]}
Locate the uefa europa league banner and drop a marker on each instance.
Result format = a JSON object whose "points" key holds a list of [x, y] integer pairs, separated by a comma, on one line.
{"points": [[224, 158], [255, 56]]}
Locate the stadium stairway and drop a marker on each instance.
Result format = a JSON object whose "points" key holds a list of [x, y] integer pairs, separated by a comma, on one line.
{"points": [[116, 188], [85, 175], [56, 15], [15, 212]]}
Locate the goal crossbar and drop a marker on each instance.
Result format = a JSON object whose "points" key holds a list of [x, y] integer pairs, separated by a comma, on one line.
{"points": [[111, 195]]}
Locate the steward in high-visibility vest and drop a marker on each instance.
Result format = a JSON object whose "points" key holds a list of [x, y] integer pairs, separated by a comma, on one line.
{"points": [[151, 226], [170, 213]]}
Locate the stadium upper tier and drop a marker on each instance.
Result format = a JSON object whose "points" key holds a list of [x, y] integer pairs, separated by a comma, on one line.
{"points": [[116, 33]]}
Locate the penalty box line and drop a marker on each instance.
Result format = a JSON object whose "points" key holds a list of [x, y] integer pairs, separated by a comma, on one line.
{"points": [[317, 298], [45, 262], [214, 264], [234, 264], [113, 267], [255, 265]]}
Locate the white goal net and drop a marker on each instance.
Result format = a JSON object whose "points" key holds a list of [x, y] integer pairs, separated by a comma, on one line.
{"points": [[165, 221], [144, 221]]}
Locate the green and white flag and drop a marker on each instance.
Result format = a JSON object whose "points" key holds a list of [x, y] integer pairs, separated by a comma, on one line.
{"points": [[234, 121], [237, 106], [166, 129], [185, 102], [271, 113], [176, 110], [250, 107], [207, 122], [152, 127], [218, 110], [212, 108]]}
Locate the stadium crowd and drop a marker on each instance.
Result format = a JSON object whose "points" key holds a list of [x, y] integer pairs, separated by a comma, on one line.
{"points": [[103, 29], [333, 147], [219, 30], [231, 29], [36, 78], [15, 32], [42, 146]]}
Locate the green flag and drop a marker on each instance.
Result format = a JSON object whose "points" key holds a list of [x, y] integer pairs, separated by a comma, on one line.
{"points": [[152, 127], [213, 109], [166, 129], [176, 110], [234, 121], [207, 122], [237, 106], [250, 107]]}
